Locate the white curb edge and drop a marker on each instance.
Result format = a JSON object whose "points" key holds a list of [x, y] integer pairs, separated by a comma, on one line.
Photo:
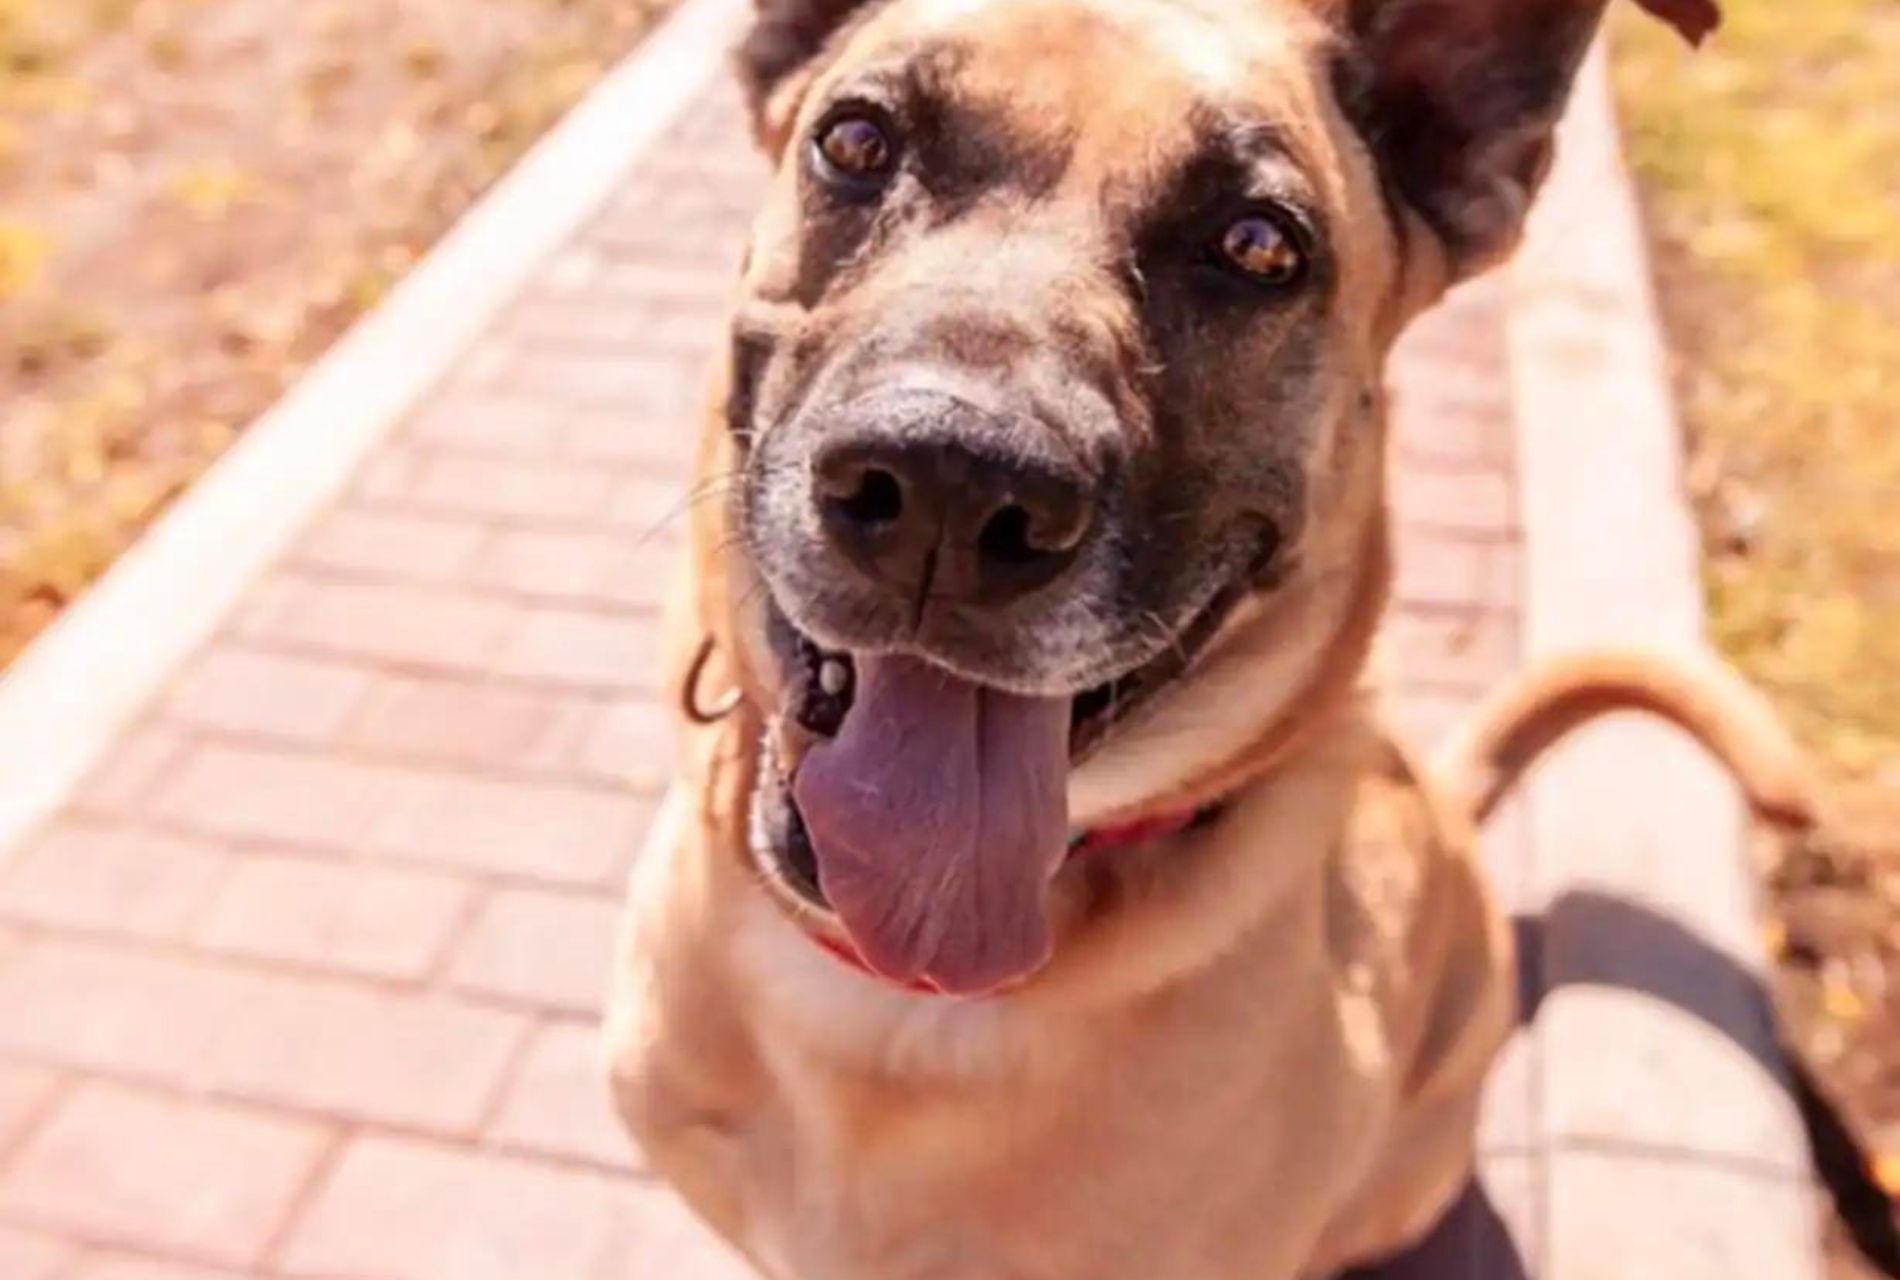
{"points": [[1667, 1148], [80, 685]]}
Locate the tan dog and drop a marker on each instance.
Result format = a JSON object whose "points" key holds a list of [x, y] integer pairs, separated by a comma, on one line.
{"points": [[1048, 901]]}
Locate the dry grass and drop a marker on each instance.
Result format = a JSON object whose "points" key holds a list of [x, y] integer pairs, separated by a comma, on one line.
{"points": [[196, 196], [1771, 165]]}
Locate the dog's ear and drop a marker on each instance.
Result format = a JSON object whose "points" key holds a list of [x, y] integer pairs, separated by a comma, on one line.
{"points": [[1462, 97], [786, 37]]}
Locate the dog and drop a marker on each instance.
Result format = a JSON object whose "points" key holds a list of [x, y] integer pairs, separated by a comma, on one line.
{"points": [[1044, 896]]}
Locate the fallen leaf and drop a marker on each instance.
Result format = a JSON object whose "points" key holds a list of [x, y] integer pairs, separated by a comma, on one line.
{"points": [[1887, 1173], [1842, 1003], [211, 190], [24, 251]]}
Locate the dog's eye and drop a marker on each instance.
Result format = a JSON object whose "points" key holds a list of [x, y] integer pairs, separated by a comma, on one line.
{"points": [[855, 151], [1262, 249]]}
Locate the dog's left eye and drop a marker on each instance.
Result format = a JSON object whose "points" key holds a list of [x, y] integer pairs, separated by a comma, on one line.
{"points": [[854, 151], [1262, 249]]}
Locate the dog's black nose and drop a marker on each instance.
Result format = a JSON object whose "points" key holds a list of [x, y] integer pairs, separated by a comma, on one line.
{"points": [[960, 519]]}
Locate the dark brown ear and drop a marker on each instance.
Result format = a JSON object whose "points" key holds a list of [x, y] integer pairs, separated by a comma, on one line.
{"points": [[786, 36], [1462, 97]]}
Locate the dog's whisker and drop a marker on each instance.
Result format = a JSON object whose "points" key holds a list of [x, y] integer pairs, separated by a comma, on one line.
{"points": [[722, 485]]}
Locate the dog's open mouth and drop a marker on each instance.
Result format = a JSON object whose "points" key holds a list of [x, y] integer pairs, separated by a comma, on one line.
{"points": [[929, 812]]}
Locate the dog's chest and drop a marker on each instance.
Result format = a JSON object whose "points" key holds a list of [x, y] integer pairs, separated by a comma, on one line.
{"points": [[1156, 1155]]}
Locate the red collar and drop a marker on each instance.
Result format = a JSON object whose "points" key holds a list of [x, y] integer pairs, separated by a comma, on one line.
{"points": [[1084, 844]]}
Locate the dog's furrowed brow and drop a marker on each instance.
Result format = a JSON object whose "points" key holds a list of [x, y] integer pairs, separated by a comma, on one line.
{"points": [[1234, 156], [1256, 149], [968, 145], [909, 75]]}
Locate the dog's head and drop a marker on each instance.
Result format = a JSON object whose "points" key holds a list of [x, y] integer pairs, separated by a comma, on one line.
{"points": [[1057, 371]]}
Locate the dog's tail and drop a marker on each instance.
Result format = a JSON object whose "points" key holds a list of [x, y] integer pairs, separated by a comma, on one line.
{"points": [[1701, 695], [1735, 723]]}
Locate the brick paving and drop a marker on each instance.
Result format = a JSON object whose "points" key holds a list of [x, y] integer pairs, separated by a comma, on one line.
{"points": [[301, 982]]}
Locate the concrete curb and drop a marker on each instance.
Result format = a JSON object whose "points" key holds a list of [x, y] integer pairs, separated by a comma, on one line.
{"points": [[1669, 1145], [65, 700]]}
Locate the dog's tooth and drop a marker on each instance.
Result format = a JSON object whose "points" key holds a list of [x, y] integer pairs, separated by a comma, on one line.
{"points": [[833, 677]]}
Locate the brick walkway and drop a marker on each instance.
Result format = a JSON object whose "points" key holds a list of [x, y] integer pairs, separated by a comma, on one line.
{"points": [[302, 981]]}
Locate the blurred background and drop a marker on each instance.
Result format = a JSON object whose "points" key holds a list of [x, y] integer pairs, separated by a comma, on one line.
{"points": [[198, 196], [1769, 168]]}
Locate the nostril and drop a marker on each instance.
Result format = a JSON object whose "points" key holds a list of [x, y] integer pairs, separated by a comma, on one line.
{"points": [[1005, 538], [877, 499], [1021, 547]]}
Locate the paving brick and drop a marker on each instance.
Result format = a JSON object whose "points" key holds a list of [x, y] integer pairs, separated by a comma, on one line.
{"points": [[428, 628], [402, 1210], [650, 388], [123, 1267], [536, 831], [273, 695], [1466, 650], [197, 1179], [456, 721], [1618, 1213], [28, 1255], [499, 488], [1447, 424], [559, 1103], [622, 322], [667, 445], [649, 281], [1452, 400], [250, 792], [658, 507], [704, 244], [684, 189], [1466, 328], [386, 544], [359, 1053], [116, 879], [620, 571], [132, 1013], [628, 742], [387, 475], [1450, 572], [131, 767], [24, 1092], [578, 648], [1478, 503], [384, 922], [516, 424], [573, 271], [554, 951]]}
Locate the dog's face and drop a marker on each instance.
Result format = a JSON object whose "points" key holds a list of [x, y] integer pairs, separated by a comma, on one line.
{"points": [[1060, 349], [1074, 333]]}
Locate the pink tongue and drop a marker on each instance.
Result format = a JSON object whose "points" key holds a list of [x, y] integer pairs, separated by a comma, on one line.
{"points": [[938, 815]]}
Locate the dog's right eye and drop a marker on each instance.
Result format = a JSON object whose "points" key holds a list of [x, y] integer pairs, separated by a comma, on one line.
{"points": [[1262, 249], [854, 152]]}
